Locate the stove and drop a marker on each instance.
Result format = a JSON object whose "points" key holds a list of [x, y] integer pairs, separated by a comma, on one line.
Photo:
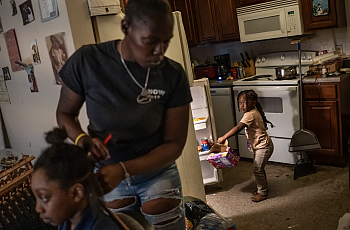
{"points": [[279, 100], [266, 64]]}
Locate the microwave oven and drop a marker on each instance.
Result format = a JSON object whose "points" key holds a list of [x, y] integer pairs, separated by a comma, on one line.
{"points": [[273, 19]]}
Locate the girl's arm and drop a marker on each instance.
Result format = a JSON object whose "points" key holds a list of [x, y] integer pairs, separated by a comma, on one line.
{"points": [[235, 130]]}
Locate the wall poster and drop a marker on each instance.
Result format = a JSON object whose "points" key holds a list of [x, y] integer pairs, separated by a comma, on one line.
{"points": [[320, 7], [12, 48], [58, 53], [48, 9]]}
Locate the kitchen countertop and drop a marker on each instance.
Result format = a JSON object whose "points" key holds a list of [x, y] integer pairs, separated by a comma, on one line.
{"points": [[223, 83], [325, 79]]}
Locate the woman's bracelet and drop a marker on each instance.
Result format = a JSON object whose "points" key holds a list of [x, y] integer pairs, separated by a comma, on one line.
{"points": [[126, 174], [79, 137]]}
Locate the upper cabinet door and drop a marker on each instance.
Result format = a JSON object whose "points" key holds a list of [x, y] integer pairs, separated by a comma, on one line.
{"points": [[330, 13], [241, 3], [188, 19], [227, 19], [206, 21]]}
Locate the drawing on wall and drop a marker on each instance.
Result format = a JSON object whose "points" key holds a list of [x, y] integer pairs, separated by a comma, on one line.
{"points": [[320, 7], [14, 7], [27, 12], [35, 52], [31, 78], [12, 49], [48, 9], [6, 73], [1, 28], [58, 53]]}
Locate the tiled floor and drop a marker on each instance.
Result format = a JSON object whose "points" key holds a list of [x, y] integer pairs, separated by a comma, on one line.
{"points": [[312, 202]]}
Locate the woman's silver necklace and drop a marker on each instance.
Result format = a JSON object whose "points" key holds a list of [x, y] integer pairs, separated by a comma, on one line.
{"points": [[144, 97]]}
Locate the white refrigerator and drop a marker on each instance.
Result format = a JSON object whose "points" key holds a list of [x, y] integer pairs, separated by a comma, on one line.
{"points": [[204, 126], [109, 28]]}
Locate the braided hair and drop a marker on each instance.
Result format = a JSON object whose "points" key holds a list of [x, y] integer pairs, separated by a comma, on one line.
{"points": [[68, 164], [253, 96]]}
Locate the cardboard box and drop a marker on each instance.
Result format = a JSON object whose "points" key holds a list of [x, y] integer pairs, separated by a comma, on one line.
{"points": [[331, 67], [221, 156]]}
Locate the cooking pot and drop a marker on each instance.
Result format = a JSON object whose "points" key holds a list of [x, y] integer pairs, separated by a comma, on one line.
{"points": [[286, 72]]}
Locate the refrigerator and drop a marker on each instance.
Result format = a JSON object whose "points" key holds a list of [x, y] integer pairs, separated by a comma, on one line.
{"points": [[205, 128], [201, 105]]}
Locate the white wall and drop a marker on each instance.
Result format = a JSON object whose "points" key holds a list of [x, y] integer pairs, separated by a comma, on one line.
{"points": [[322, 40], [30, 115]]}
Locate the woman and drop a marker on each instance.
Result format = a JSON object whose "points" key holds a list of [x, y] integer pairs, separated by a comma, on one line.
{"points": [[142, 99]]}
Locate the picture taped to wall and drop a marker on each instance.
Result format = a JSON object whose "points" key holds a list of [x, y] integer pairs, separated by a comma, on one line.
{"points": [[27, 12], [320, 7], [35, 52], [32, 81], [48, 10], [12, 49], [58, 53], [4, 94], [6, 73], [14, 7]]}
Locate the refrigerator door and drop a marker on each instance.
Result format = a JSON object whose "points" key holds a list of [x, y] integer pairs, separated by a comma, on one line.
{"points": [[178, 47], [202, 107]]}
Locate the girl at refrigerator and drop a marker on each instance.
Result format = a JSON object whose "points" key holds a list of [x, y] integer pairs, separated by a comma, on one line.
{"points": [[66, 189], [255, 124]]}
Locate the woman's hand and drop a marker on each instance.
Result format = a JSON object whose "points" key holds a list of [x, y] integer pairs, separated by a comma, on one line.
{"points": [[110, 176], [221, 140], [95, 147]]}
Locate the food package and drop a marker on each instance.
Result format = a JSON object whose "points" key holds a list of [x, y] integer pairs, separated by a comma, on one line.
{"points": [[214, 222], [222, 156]]}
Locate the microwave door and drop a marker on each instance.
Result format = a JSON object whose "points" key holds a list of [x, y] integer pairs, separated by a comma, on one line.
{"points": [[262, 25]]}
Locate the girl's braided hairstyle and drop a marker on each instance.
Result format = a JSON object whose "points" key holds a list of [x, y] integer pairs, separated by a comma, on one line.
{"points": [[251, 95]]}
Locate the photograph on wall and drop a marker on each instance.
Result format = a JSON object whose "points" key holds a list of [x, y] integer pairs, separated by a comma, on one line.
{"points": [[31, 78], [12, 49], [6, 73], [35, 52], [14, 7], [48, 9], [1, 28], [58, 53], [27, 12], [320, 7]]}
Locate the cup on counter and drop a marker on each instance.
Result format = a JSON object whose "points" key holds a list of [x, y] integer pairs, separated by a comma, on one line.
{"points": [[234, 72]]}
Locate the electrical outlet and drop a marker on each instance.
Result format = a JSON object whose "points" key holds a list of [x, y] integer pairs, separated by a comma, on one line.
{"points": [[339, 49]]}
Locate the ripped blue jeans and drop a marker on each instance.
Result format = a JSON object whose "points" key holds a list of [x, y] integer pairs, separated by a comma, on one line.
{"points": [[164, 183]]}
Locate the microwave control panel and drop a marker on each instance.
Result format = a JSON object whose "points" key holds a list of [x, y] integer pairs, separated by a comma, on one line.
{"points": [[293, 21]]}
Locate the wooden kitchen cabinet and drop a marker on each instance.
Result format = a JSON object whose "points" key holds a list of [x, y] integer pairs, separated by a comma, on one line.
{"points": [[327, 114], [216, 20], [241, 3], [336, 16], [188, 19]]}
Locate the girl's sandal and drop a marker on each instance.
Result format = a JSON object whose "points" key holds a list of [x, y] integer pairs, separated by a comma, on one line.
{"points": [[258, 197]]}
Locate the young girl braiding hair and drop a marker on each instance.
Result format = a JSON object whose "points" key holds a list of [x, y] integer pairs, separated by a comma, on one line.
{"points": [[66, 190], [255, 123]]}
